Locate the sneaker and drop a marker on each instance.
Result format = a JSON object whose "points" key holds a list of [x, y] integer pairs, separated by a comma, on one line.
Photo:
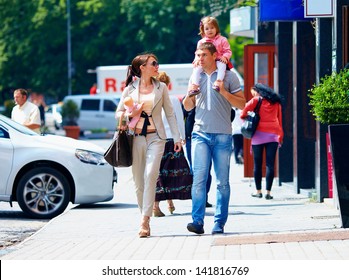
{"points": [[218, 229], [192, 93], [216, 88], [268, 196], [196, 228], [258, 195]]}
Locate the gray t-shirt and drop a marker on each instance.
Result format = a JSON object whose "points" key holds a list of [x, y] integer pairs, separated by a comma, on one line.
{"points": [[212, 111]]}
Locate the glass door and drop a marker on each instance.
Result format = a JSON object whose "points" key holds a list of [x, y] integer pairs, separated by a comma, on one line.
{"points": [[259, 64]]}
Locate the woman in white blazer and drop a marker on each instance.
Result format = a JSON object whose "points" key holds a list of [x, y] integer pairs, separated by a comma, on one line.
{"points": [[150, 134]]}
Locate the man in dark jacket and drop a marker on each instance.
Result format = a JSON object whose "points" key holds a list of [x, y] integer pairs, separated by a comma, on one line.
{"points": [[189, 119]]}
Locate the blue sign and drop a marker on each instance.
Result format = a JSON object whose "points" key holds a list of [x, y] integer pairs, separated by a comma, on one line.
{"points": [[281, 10]]}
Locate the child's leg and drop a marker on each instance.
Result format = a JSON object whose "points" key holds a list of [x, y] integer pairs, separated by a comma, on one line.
{"points": [[221, 70], [195, 78]]}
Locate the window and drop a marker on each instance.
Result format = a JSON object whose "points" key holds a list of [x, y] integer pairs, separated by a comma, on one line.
{"points": [[90, 104], [109, 106], [3, 133]]}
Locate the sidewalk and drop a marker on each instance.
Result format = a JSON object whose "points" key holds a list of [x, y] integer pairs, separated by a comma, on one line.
{"points": [[289, 227]]}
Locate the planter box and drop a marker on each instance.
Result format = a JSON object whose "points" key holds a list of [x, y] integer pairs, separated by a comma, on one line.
{"points": [[72, 131], [339, 135]]}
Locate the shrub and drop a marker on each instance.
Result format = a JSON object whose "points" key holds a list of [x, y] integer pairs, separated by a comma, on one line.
{"points": [[329, 100], [70, 113], [8, 104]]}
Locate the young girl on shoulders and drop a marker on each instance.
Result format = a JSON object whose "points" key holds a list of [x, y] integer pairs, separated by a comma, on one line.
{"points": [[210, 32]]}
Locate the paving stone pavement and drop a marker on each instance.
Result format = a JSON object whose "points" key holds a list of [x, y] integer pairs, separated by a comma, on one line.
{"points": [[108, 231]]}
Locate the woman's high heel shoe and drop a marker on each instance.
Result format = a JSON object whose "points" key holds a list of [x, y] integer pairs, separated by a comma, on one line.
{"points": [[171, 209], [157, 212], [144, 231]]}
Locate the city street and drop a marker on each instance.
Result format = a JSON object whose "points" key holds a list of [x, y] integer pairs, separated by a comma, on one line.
{"points": [[294, 54], [109, 230], [15, 226], [105, 232]]}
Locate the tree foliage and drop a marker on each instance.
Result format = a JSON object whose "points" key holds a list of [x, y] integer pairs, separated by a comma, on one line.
{"points": [[33, 39], [329, 100]]}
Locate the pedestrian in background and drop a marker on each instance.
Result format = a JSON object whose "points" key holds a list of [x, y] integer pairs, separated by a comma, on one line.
{"points": [[150, 135], [175, 179], [212, 137], [268, 136], [238, 139], [39, 100], [93, 89], [25, 112], [189, 118]]}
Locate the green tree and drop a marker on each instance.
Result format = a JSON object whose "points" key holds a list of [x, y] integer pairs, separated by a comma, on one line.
{"points": [[33, 38], [32, 52], [162, 27]]}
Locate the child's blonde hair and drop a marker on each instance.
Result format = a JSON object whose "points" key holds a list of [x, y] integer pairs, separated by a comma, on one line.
{"points": [[208, 20], [163, 77]]}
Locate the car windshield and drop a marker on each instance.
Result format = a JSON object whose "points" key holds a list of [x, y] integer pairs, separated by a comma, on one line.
{"points": [[17, 126]]}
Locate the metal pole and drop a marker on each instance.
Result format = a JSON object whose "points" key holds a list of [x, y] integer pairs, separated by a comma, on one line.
{"points": [[69, 49]]}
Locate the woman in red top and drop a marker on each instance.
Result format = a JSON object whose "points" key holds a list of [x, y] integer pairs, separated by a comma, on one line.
{"points": [[269, 134]]}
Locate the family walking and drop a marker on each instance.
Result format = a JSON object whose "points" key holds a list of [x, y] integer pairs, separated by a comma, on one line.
{"points": [[158, 132]]}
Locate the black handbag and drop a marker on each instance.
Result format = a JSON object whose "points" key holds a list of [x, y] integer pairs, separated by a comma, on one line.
{"points": [[249, 126], [110, 153], [119, 153]]}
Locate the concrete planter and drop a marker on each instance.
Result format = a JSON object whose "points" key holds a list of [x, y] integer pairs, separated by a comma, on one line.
{"points": [[339, 135]]}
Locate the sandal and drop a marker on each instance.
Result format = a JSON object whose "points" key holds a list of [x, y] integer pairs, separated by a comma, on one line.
{"points": [[157, 212]]}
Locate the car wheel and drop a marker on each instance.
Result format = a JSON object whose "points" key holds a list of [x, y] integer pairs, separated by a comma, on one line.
{"points": [[43, 193]]}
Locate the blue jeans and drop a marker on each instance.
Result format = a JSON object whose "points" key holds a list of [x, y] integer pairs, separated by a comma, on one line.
{"points": [[207, 147], [209, 179]]}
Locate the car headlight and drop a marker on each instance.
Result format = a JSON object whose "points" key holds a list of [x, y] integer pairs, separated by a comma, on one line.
{"points": [[90, 157]]}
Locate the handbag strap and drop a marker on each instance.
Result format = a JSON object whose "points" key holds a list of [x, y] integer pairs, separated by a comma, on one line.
{"points": [[120, 121], [256, 110]]}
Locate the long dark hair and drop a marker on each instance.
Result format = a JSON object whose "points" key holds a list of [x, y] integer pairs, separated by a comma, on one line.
{"points": [[134, 69], [267, 93]]}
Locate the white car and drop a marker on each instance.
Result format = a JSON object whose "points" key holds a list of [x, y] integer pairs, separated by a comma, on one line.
{"points": [[43, 173], [53, 117], [96, 111]]}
